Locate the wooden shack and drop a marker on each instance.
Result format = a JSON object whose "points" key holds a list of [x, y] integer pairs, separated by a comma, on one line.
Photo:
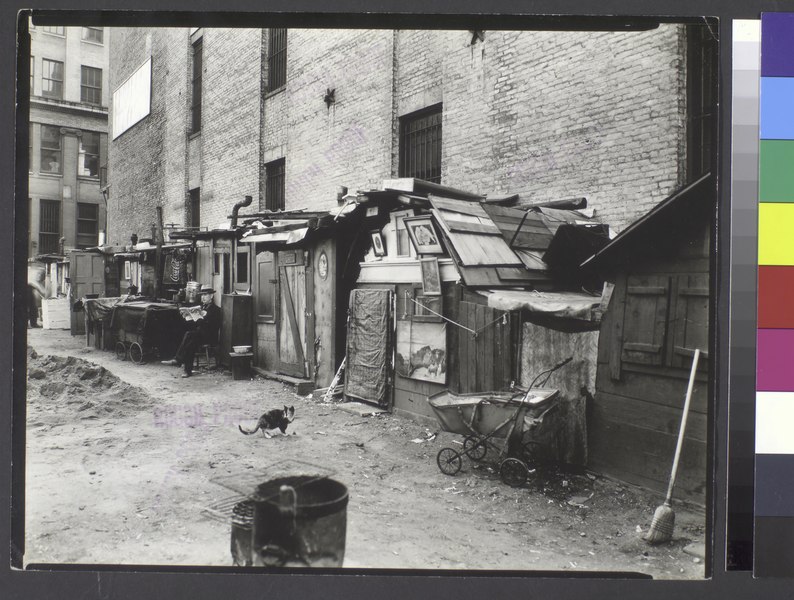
{"points": [[474, 331], [657, 316]]}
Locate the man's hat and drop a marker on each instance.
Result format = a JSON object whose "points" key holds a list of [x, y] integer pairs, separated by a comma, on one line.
{"points": [[206, 289]]}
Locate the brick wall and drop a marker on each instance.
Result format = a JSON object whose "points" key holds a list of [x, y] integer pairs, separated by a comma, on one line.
{"points": [[346, 144], [230, 121], [547, 115]]}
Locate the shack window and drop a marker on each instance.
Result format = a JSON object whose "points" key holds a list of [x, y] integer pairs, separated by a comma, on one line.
{"points": [[241, 269], [420, 145], [90, 85], [49, 226], [50, 149], [276, 59], [645, 323], [274, 186], [52, 78], [87, 224], [265, 298]]}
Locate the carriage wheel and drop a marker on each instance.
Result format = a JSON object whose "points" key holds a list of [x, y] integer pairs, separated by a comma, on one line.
{"points": [[136, 353], [475, 447], [513, 472], [121, 351], [449, 461], [532, 453]]}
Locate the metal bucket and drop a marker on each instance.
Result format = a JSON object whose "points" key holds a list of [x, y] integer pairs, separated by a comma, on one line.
{"points": [[192, 290], [300, 522]]}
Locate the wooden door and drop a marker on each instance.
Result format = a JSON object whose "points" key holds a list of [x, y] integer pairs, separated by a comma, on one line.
{"points": [[292, 320], [87, 274]]}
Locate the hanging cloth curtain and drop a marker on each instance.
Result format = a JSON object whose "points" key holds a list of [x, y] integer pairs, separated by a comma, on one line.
{"points": [[369, 345]]}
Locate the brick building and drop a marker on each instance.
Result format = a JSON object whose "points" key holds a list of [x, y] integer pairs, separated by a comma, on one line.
{"points": [[290, 116], [67, 137]]}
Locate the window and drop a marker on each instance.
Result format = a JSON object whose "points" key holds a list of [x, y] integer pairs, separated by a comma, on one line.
{"points": [[195, 103], [93, 34], [274, 185], [194, 210], [88, 157], [51, 149], [52, 78], [49, 226], [87, 225], [30, 147], [701, 100], [276, 59], [241, 269], [32, 72], [54, 30], [420, 145], [90, 85], [265, 296]]}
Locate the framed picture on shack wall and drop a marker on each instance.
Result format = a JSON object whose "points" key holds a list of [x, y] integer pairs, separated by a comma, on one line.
{"points": [[423, 235], [421, 351], [431, 279], [378, 246]]}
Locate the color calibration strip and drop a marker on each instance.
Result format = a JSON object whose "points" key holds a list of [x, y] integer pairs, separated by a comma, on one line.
{"points": [[774, 439], [746, 72]]}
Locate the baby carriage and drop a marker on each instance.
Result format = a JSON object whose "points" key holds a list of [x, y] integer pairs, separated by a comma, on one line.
{"points": [[500, 421]]}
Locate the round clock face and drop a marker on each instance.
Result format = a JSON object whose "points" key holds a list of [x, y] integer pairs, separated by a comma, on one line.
{"points": [[322, 265]]}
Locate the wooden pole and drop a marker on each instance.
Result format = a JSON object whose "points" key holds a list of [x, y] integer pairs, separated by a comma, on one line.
{"points": [[158, 260]]}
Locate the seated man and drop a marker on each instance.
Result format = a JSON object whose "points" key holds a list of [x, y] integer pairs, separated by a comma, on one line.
{"points": [[205, 332]]}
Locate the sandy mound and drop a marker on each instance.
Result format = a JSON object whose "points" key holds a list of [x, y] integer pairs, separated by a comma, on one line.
{"points": [[56, 382]]}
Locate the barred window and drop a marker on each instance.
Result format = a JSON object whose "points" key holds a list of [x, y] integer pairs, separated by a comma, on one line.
{"points": [[90, 85], [420, 145], [274, 186], [88, 157], [52, 78], [93, 34], [87, 225], [51, 150], [276, 59], [49, 226]]}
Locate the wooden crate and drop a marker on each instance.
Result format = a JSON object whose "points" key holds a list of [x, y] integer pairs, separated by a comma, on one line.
{"points": [[55, 313]]}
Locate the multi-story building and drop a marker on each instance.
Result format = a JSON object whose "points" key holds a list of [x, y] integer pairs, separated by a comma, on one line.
{"points": [[289, 116], [67, 137]]}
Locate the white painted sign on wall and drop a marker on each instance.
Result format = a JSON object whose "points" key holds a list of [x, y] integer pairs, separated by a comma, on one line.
{"points": [[132, 99]]}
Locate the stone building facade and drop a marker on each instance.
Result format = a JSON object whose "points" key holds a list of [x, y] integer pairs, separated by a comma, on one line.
{"points": [[546, 115], [67, 137]]}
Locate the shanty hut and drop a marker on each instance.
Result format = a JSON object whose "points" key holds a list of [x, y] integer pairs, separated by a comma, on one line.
{"points": [[453, 292], [657, 316]]}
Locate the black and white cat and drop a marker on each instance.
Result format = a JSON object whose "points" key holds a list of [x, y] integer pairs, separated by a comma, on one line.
{"points": [[277, 418]]}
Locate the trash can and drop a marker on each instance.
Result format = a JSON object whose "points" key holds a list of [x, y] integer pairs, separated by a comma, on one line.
{"points": [[300, 521]]}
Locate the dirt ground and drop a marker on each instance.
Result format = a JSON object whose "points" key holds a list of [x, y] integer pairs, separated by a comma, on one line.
{"points": [[121, 460]]}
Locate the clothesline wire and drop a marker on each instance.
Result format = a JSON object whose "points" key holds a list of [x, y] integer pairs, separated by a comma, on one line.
{"points": [[473, 331]]}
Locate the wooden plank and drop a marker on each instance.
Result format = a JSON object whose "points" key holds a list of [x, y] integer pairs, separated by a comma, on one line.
{"points": [[644, 457], [481, 228], [459, 206], [654, 389], [296, 348], [471, 355], [618, 308], [650, 415], [311, 359], [487, 356]]}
